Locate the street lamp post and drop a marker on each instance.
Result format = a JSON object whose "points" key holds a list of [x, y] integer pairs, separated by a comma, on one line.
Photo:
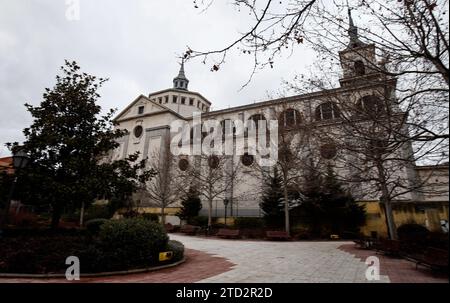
{"points": [[20, 160], [225, 203]]}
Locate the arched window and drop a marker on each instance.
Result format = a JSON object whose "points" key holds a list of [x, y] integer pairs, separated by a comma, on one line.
{"points": [[227, 127], [289, 118], [359, 67], [257, 119], [371, 105], [327, 111]]}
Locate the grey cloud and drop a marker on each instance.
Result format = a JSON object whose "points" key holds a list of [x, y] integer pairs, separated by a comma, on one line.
{"points": [[134, 43]]}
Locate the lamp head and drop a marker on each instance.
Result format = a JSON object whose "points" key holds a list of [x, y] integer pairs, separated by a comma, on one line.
{"points": [[20, 159]]}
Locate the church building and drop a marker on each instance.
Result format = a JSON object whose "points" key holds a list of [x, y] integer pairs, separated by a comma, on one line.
{"points": [[148, 118]]}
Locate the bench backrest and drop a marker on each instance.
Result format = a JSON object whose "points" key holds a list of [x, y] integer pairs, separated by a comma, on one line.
{"points": [[188, 227], [225, 231], [277, 234], [436, 254]]}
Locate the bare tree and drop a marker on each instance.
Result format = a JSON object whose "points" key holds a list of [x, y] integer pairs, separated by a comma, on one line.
{"points": [[367, 139], [213, 176], [271, 34], [169, 184], [413, 35], [293, 149], [408, 123]]}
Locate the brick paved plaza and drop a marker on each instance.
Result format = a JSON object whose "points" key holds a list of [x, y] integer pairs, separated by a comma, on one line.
{"points": [[265, 261], [216, 260]]}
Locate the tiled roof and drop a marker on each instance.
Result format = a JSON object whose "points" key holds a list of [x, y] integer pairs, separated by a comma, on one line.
{"points": [[6, 164]]}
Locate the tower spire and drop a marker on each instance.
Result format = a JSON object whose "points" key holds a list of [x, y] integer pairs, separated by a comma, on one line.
{"points": [[180, 81], [353, 31]]}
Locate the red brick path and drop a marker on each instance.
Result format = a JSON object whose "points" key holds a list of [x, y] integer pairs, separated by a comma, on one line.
{"points": [[398, 270], [198, 266]]}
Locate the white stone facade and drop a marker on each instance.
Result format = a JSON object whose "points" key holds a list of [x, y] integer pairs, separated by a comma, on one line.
{"points": [[148, 119]]}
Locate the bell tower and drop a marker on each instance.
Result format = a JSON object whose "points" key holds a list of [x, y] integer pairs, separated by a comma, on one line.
{"points": [[358, 59]]}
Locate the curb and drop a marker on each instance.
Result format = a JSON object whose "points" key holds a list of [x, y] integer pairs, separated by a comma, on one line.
{"points": [[93, 275]]}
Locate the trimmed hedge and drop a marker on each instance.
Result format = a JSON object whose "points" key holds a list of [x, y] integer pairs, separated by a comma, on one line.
{"points": [[412, 231], [41, 254], [93, 226], [249, 222], [177, 248], [198, 221], [119, 245], [131, 243]]}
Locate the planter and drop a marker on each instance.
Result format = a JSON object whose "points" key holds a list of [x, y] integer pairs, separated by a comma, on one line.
{"points": [[93, 275]]}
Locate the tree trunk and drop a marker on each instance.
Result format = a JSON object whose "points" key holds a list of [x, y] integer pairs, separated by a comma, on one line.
{"points": [[163, 215], [287, 225], [82, 214], [392, 230], [56, 216], [386, 202], [210, 202]]}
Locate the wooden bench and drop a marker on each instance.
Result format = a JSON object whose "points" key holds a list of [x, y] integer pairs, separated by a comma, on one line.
{"points": [[169, 227], [389, 247], [365, 242], [433, 258], [277, 235], [190, 229], [228, 233]]}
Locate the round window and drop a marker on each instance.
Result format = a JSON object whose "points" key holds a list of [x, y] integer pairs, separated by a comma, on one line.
{"points": [[328, 151], [247, 159], [138, 130], [213, 162], [183, 164]]}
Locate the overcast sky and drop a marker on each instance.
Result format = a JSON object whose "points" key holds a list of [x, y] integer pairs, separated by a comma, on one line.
{"points": [[135, 43]]}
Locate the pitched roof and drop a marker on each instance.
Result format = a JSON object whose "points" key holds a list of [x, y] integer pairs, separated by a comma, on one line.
{"points": [[163, 109]]}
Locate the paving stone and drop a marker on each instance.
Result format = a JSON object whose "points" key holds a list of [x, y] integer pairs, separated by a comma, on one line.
{"points": [[226, 261]]}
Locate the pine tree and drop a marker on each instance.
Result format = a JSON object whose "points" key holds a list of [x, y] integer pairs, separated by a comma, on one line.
{"points": [[310, 210], [342, 211], [327, 207], [190, 205], [272, 201]]}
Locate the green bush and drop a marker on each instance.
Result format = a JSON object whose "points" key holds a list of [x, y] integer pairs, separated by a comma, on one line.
{"points": [[97, 211], [93, 226], [249, 222], [412, 231], [119, 245], [131, 214], [41, 254], [131, 243], [177, 248], [198, 221]]}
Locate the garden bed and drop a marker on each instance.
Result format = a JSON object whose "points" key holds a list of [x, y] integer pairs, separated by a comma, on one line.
{"points": [[93, 275], [118, 246]]}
